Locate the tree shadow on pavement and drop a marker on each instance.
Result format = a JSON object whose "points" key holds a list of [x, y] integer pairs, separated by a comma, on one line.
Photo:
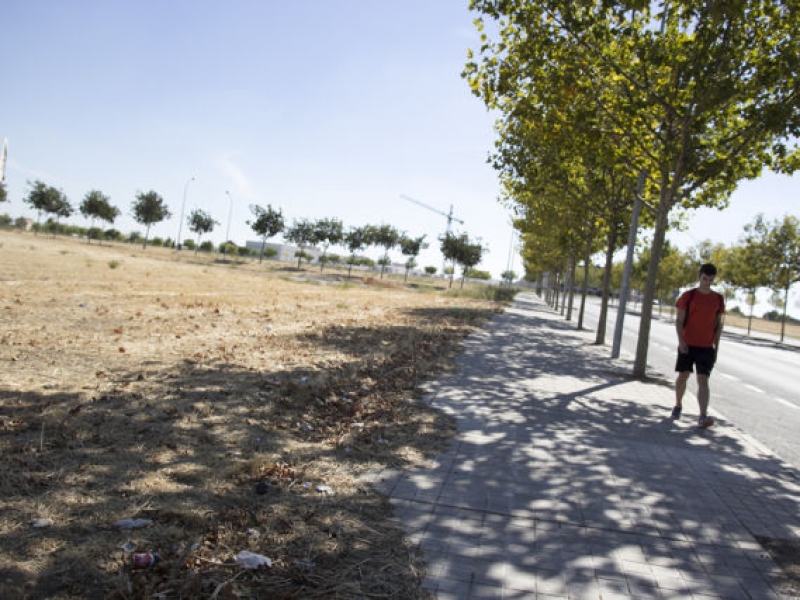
{"points": [[567, 478]]}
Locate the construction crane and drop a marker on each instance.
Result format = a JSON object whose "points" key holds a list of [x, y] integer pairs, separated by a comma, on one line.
{"points": [[449, 216]]}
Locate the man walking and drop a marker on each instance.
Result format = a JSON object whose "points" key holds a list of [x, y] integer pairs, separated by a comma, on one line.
{"points": [[699, 327]]}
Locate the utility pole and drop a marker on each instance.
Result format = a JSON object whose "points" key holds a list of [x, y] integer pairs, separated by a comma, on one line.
{"points": [[228, 230], [626, 275], [3, 158], [183, 207]]}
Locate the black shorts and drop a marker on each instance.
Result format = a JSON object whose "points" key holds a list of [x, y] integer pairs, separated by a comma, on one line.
{"points": [[704, 358]]}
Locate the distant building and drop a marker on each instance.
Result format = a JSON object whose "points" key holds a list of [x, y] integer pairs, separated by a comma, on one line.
{"points": [[284, 252]]}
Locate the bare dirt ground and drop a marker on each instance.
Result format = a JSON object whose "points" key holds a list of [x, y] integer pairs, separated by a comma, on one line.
{"points": [[232, 405]]}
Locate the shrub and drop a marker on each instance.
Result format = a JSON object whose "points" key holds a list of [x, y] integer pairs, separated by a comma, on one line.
{"points": [[504, 293], [476, 274]]}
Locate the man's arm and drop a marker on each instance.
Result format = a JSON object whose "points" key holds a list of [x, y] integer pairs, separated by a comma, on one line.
{"points": [[719, 323], [680, 319]]}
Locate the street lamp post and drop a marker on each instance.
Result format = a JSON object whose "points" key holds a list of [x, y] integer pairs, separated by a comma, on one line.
{"points": [[228, 230], [183, 207]]}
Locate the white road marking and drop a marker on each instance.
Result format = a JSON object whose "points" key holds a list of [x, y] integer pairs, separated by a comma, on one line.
{"points": [[754, 388], [726, 376], [787, 403]]}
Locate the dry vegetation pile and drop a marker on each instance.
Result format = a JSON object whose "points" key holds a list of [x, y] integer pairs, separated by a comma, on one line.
{"points": [[233, 406]]}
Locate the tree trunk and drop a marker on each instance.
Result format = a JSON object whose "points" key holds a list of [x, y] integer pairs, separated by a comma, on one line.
{"points": [[583, 293], [662, 221], [587, 255], [572, 266], [785, 305], [600, 339]]}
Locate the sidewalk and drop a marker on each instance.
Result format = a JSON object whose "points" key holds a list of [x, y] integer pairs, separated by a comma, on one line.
{"points": [[567, 479]]}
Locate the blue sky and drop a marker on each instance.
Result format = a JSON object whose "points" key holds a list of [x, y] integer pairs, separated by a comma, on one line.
{"points": [[323, 108]]}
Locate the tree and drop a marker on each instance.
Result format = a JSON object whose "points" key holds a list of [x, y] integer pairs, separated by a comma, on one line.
{"points": [[96, 205], [508, 277], [113, 235], [268, 223], [411, 247], [3, 192], [46, 199], [327, 232], [678, 269], [742, 269], [783, 254], [459, 250], [200, 222], [61, 208], [470, 256], [149, 208], [356, 239], [303, 234], [387, 237], [697, 95]]}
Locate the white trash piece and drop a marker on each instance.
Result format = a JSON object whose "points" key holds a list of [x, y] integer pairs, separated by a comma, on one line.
{"points": [[251, 560], [39, 523]]}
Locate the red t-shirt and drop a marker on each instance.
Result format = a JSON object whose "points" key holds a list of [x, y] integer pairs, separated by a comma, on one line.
{"points": [[702, 317]]}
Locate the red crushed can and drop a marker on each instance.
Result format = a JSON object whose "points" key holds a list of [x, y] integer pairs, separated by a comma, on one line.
{"points": [[144, 560]]}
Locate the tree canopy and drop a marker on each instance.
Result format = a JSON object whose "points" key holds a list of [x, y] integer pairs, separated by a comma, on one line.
{"points": [[411, 247], [268, 223], [303, 233], [697, 96], [387, 237], [459, 249], [200, 222], [149, 208], [327, 232], [96, 205], [46, 199], [356, 239]]}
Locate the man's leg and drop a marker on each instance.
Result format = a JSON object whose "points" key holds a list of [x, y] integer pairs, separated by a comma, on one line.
{"points": [[703, 393], [680, 387], [680, 390]]}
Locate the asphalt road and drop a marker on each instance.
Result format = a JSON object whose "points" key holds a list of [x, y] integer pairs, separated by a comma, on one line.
{"points": [[755, 384]]}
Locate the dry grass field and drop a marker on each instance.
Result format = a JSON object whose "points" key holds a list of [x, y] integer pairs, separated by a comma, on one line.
{"points": [[232, 405], [761, 326]]}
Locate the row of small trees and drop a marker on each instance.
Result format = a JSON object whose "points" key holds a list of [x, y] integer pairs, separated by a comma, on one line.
{"points": [[149, 208], [768, 256]]}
